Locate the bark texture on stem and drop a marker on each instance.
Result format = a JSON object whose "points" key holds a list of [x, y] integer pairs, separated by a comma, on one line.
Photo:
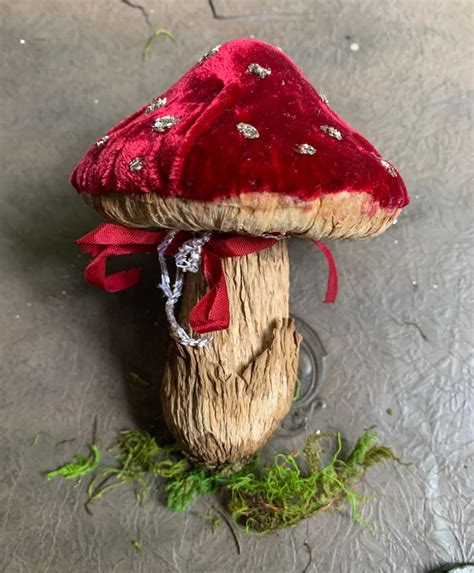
{"points": [[222, 402]]}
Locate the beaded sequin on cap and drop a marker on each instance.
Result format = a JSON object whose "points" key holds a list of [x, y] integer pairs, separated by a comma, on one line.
{"points": [[305, 149], [102, 141], [248, 131], [136, 164], [164, 123], [332, 131], [157, 103], [259, 70], [210, 53]]}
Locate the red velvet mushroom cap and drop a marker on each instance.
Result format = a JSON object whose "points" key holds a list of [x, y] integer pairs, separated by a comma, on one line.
{"points": [[242, 143]]}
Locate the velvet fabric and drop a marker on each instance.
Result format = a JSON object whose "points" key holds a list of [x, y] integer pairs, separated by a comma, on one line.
{"points": [[204, 156]]}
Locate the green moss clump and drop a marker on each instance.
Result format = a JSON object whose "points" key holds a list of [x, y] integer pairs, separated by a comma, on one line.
{"points": [[297, 486], [79, 467], [261, 498], [139, 459]]}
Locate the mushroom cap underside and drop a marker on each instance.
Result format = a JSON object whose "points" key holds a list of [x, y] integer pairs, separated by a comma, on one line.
{"points": [[341, 216]]}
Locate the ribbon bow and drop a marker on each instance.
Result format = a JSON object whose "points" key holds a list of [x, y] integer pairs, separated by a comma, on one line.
{"points": [[212, 311]]}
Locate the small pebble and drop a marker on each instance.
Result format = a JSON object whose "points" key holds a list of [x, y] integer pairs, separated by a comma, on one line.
{"points": [[414, 283], [318, 432], [395, 222], [63, 292], [17, 316], [435, 286], [28, 304], [96, 101], [395, 242], [417, 196], [354, 47], [22, 41]]}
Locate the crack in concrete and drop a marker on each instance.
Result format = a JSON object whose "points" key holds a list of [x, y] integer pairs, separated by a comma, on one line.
{"points": [[138, 7], [262, 16]]}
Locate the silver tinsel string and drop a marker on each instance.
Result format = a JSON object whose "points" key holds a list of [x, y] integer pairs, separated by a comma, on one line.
{"points": [[187, 259]]}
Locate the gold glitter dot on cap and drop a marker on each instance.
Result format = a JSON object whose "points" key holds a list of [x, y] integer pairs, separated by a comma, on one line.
{"points": [[248, 131]]}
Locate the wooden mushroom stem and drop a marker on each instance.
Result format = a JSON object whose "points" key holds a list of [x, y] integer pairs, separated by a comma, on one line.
{"points": [[223, 402]]}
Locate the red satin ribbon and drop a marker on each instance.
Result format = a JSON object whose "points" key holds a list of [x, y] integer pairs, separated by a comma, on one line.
{"points": [[212, 311], [333, 279]]}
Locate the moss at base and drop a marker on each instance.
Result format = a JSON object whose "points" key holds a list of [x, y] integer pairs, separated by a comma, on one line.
{"points": [[261, 498]]}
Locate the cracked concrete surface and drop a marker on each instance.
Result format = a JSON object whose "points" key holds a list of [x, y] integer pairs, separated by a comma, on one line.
{"points": [[272, 13], [138, 7], [70, 70]]}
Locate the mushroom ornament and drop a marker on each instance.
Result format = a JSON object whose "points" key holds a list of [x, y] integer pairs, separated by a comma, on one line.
{"points": [[239, 154]]}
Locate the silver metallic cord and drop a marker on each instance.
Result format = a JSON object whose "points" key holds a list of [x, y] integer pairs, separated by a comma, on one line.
{"points": [[276, 236], [187, 259]]}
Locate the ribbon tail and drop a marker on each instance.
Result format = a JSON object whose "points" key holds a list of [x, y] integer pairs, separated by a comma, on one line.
{"points": [[109, 240], [95, 274], [212, 312], [333, 280]]}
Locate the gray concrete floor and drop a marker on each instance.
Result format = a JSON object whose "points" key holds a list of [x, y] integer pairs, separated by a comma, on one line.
{"points": [[72, 69]]}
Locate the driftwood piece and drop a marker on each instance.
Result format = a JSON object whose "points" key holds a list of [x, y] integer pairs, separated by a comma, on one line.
{"points": [[222, 402]]}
